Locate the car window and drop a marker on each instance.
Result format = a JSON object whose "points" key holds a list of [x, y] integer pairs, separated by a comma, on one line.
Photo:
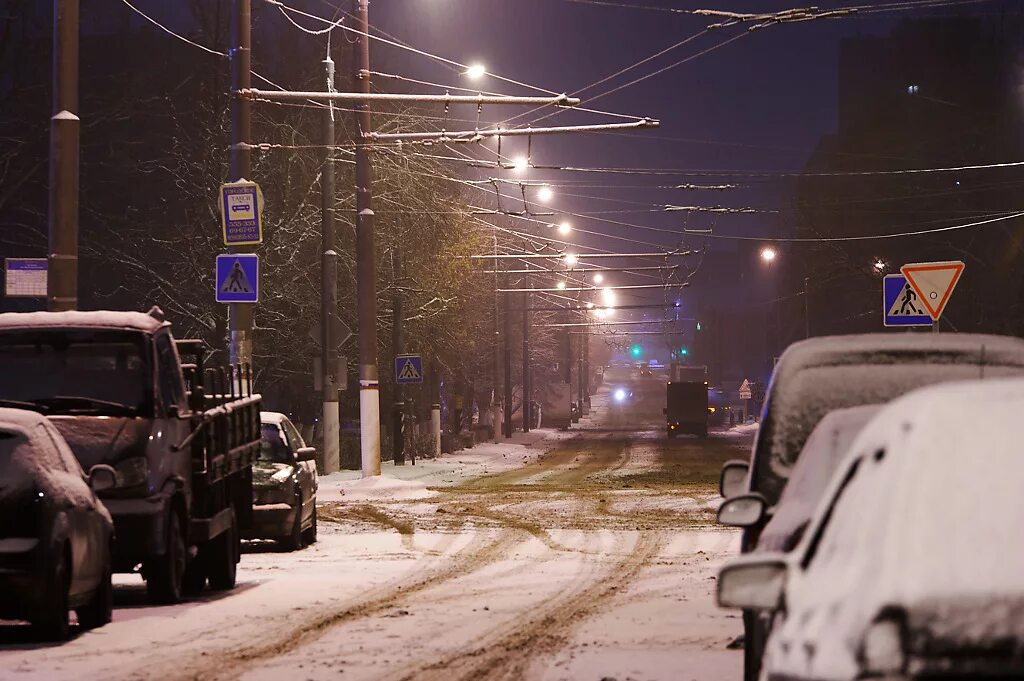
{"points": [[294, 438], [835, 509], [273, 446], [172, 389]]}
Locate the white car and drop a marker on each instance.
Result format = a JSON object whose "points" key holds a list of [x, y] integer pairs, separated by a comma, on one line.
{"points": [[913, 564]]}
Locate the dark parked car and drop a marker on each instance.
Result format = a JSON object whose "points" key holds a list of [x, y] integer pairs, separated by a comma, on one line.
{"points": [[819, 375], [284, 485], [55, 535]]}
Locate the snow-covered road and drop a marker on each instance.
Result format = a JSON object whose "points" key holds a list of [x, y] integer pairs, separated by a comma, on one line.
{"points": [[582, 557]]}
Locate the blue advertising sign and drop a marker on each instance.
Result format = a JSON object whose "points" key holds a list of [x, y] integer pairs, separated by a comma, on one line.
{"points": [[241, 213], [238, 278], [900, 304], [408, 369]]}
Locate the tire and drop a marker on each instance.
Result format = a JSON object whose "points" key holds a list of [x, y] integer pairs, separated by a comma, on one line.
{"points": [[50, 622], [194, 580], [293, 542], [100, 610], [221, 557], [165, 575], [309, 536]]}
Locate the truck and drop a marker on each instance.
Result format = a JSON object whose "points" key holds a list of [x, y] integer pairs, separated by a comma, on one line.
{"points": [[686, 409], [180, 438]]}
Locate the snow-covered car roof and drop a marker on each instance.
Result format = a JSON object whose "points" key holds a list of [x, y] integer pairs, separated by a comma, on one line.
{"points": [[825, 448], [272, 417], [923, 517], [816, 376], [108, 319]]}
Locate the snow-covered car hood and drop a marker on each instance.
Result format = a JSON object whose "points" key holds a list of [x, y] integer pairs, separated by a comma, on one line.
{"points": [[927, 527], [104, 439], [262, 472]]}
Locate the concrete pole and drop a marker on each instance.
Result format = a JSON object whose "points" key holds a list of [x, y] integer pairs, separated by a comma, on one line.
{"points": [[62, 265], [398, 346], [240, 315], [507, 418], [435, 407], [527, 383], [366, 273], [329, 292]]}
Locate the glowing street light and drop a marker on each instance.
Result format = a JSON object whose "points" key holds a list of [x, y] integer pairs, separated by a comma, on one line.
{"points": [[879, 265], [545, 194], [608, 296], [561, 284], [520, 164], [571, 259], [476, 71], [768, 254], [598, 278], [564, 228]]}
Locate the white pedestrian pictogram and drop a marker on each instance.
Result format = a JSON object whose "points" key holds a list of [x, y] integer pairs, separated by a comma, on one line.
{"points": [[409, 372], [236, 281]]}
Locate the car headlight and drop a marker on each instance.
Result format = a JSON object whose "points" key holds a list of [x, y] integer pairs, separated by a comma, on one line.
{"points": [[132, 472], [883, 649]]}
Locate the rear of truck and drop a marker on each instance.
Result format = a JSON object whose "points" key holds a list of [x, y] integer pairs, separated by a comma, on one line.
{"points": [[687, 408]]}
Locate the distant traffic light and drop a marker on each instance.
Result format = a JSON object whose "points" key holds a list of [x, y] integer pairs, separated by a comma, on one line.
{"points": [[636, 351], [684, 351]]}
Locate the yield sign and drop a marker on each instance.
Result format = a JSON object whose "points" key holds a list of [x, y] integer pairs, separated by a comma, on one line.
{"points": [[934, 283]]}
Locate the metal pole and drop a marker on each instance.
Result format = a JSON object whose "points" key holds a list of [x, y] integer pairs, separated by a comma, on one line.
{"points": [[586, 372], [366, 276], [507, 420], [62, 266], [398, 343], [807, 308], [527, 387], [329, 293], [435, 406], [240, 315], [497, 352]]}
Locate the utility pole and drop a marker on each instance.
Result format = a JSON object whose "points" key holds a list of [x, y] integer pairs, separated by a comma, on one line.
{"points": [[329, 291], [240, 315], [366, 273], [527, 383], [65, 126], [398, 343], [507, 420]]}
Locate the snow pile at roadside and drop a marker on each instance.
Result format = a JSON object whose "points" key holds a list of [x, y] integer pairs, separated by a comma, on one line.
{"points": [[743, 430], [376, 487]]}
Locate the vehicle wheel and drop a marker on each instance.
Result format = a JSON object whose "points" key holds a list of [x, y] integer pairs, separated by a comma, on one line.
{"points": [[165, 575], [51, 621], [100, 609], [293, 542], [221, 558], [309, 536]]}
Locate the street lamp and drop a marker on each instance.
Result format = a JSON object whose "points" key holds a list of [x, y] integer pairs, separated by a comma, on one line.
{"points": [[545, 194], [608, 296], [879, 265], [564, 228], [571, 259], [598, 278], [768, 254], [520, 164], [476, 71], [561, 284]]}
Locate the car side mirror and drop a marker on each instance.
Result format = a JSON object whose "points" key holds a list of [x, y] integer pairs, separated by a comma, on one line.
{"points": [[305, 454], [745, 510], [102, 477], [733, 480], [753, 582]]}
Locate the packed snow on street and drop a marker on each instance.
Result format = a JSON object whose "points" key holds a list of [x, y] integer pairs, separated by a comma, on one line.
{"points": [[583, 554]]}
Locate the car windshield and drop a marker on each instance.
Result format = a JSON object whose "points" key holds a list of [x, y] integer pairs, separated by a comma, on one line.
{"points": [[273, 448], [62, 371]]}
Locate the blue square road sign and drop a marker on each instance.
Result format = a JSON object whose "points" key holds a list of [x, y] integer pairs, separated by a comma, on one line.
{"points": [[238, 278], [900, 306], [408, 369]]}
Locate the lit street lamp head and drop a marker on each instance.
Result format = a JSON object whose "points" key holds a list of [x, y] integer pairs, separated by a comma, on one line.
{"points": [[571, 259], [545, 194], [561, 284], [564, 228], [768, 254], [520, 164], [598, 278], [476, 71]]}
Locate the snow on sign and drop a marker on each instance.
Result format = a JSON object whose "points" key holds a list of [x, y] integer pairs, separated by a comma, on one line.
{"points": [[241, 213], [745, 390], [934, 283], [901, 305], [408, 369], [25, 277], [238, 278]]}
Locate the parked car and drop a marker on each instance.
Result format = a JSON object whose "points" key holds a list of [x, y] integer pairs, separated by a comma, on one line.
{"points": [[819, 375], [912, 566], [284, 485], [55, 535]]}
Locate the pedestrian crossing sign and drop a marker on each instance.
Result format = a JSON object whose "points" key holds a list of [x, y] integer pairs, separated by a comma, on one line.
{"points": [[408, 369], [238, 278], [901, 304]]}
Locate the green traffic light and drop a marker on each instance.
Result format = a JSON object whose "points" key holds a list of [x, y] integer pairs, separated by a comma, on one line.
{"points": [[683, 351], [636, 350]]}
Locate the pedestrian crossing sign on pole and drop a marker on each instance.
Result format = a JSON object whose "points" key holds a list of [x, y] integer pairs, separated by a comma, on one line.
{"points": [[408, 369], [238, 278], [901, 304]]}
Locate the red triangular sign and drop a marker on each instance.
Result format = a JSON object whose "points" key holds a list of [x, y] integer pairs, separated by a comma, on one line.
{"points": [[934, 283]]}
